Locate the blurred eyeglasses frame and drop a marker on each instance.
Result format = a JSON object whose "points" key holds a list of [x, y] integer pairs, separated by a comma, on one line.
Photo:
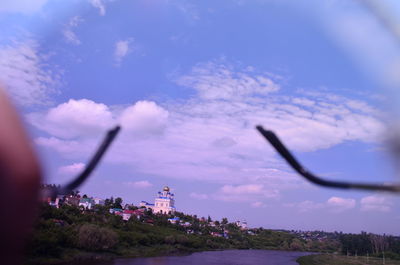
{"points": [[75, 183], [273, 139]]}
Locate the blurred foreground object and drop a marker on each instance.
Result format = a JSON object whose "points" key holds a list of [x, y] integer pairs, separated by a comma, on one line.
{"points": [[291, 160], [20, 177], [111, 134]]}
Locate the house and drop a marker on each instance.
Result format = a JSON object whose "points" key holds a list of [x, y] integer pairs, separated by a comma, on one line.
{"points": [[115, 210], [186, 224], [72, 200], [126, 214], [98, 201], [216, 234], [87, 203], [241, 224], [249, 232], [174, 220], [139, 212], [146, 205], [57, 202]]}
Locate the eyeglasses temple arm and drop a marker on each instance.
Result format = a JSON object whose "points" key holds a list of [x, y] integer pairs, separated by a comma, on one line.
{"points": [[291, 160], [111, 134]]}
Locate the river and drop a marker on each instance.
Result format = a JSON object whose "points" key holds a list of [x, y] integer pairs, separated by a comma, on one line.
{"points": [[226, 257]]}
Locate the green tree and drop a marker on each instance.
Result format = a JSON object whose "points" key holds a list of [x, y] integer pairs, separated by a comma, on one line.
{"points": [[109, 202], [118, 203], [93, 237]]}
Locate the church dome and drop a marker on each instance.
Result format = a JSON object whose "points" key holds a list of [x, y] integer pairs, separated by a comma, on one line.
{"points": [[166, 188]]}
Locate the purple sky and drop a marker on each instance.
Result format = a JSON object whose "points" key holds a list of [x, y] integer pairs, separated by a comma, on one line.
{"points": [[189, 81]]}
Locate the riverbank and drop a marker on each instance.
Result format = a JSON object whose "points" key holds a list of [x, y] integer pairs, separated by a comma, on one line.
{"points": [[71, 234], [330, 259], [240, 257], [74, 256]]}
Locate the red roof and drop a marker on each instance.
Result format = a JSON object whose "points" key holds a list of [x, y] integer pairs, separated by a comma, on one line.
{"points": [[138, 212]]}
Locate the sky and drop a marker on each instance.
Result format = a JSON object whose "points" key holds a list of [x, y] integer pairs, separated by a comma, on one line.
{"points": [[188, 81]]}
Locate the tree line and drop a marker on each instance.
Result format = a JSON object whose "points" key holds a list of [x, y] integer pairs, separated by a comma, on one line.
{"points": [[71, 233]]}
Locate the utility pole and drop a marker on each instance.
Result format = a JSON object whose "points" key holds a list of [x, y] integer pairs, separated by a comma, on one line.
{"points": [[383, 257], [367, 257]]}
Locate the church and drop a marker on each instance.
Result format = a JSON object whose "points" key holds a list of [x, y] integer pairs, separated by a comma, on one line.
{"points": [[164, 202]]}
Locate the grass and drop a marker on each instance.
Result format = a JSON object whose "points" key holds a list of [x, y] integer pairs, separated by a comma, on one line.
{"points": [[330, 259]]}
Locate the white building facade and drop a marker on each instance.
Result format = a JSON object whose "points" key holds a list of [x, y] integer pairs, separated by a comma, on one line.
{"points": [[164, 202], [241, 224]]}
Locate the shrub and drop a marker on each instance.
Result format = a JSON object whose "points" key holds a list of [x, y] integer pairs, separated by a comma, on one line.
{"points": [[93, 237]]}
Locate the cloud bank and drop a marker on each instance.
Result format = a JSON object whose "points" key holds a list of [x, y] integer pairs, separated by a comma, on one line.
{"points": [[211, 137], [26, 74]]}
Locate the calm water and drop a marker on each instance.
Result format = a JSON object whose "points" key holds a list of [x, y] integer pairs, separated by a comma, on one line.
{"points": [[227, 257]]}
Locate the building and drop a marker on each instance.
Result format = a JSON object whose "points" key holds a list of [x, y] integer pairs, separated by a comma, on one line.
{"points": [[115, 210], [127, 214], [72, 200], [242, 225], [164, 202], [86, 203], [98, 201], [174, 220], [146, 205]]}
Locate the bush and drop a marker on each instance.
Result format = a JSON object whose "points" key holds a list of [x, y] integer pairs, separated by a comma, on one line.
{"points": [[93, 237], [169, 240]]}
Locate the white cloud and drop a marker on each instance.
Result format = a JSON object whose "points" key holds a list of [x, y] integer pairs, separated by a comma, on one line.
{"points": [[26, 73], [333, 204], [99, 4], [242, 189], [144, 118], [198, 196], [375, 203], [72, 169], [139, 184], [306, 206], [307, 122], [71, 149], [214, 140], [338, 204], [242, 193], [75, 118], [22, 6], [68, 32], [122, 49], [257, 204], [86, 118], [189, 10], [221, 81]]}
